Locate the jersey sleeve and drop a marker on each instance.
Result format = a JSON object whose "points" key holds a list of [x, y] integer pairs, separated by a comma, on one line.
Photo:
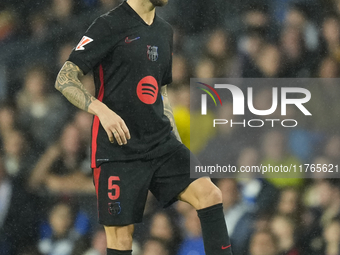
{"points": [[167, 79], [94, 45]]}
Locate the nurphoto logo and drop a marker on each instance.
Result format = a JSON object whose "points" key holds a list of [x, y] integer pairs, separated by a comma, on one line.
{"points": [[295, 96]]}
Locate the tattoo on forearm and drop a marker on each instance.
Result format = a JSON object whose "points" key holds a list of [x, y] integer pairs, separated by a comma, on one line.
{"points": [[168, 112], [69, 85]]}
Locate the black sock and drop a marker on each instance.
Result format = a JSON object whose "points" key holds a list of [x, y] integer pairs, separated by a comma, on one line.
{"points": [[214, 230], [117, 252]]}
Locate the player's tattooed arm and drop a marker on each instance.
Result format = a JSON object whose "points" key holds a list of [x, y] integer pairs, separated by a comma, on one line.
{"points": [[69, 85], [168, 112]]}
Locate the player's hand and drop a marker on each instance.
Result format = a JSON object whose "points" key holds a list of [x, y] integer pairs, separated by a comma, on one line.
{"points": [[114, 126]]}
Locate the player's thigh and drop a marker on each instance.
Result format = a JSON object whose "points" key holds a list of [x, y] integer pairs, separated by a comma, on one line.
{"points": [[122, 189], [201, 193], [119, 237]]}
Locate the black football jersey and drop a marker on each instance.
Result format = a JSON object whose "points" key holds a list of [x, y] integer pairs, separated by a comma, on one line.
{"points": [[130, 60]]}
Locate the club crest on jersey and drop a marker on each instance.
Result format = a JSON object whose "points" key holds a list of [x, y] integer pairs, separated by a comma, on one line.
{"points": [[85, 40], [114, 208], [152, 52]]}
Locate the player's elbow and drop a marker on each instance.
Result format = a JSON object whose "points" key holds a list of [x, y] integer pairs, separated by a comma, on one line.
{"points": [[57, 85]]}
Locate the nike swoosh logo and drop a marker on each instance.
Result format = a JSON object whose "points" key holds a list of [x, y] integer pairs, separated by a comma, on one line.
{"points": [[226, 247], [127, 40]]}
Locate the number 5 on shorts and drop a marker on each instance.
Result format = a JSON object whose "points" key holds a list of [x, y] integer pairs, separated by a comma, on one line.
{"points": [[113, 187]]}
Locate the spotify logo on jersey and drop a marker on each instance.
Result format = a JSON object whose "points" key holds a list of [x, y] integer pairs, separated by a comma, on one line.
{"points": [[147, 90]]}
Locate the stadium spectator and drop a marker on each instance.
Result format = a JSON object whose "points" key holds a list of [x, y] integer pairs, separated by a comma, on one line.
{"points": [[323, 214], [164, 227], [18, 159], [193, 242], [332, 238], [205, 68], [332, 149], [41, 113], [290, 205], [295, 56], [284, 229], [180, 71], [331, 204], [154, 246], [297, 16], [237, 214], [98, 246], [61, 165], [64, 239], [263, 243], [16, 215], [249, 46], [268, 62], [257, 192], [331, 35], [62, 10], [275, 154], [256, 16], [219, 49], [7, 25], [38, 28], [8, 121], [262, 222], [311, 195]]}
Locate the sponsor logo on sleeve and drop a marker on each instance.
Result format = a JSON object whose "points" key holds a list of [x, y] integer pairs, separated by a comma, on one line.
{"points": [[84, 41]]}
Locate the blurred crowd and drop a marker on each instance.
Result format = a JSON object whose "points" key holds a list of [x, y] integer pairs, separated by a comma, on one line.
{"points": [[47, 198]]}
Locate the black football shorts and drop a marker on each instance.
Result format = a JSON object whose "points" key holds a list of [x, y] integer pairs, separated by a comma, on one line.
{"points": [[122, 186]]}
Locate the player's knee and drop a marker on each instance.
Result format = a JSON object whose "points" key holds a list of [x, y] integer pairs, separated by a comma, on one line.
{"points": [[211, 196], [124, 241], [119, 238], [120, 242]]}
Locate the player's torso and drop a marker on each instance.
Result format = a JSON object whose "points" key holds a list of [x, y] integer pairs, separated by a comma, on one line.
{"points": [[133, 72], [136, 66]]}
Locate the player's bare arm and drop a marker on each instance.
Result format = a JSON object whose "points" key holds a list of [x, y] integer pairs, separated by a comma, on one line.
{"points": [[69, 85], [168, 111]]}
